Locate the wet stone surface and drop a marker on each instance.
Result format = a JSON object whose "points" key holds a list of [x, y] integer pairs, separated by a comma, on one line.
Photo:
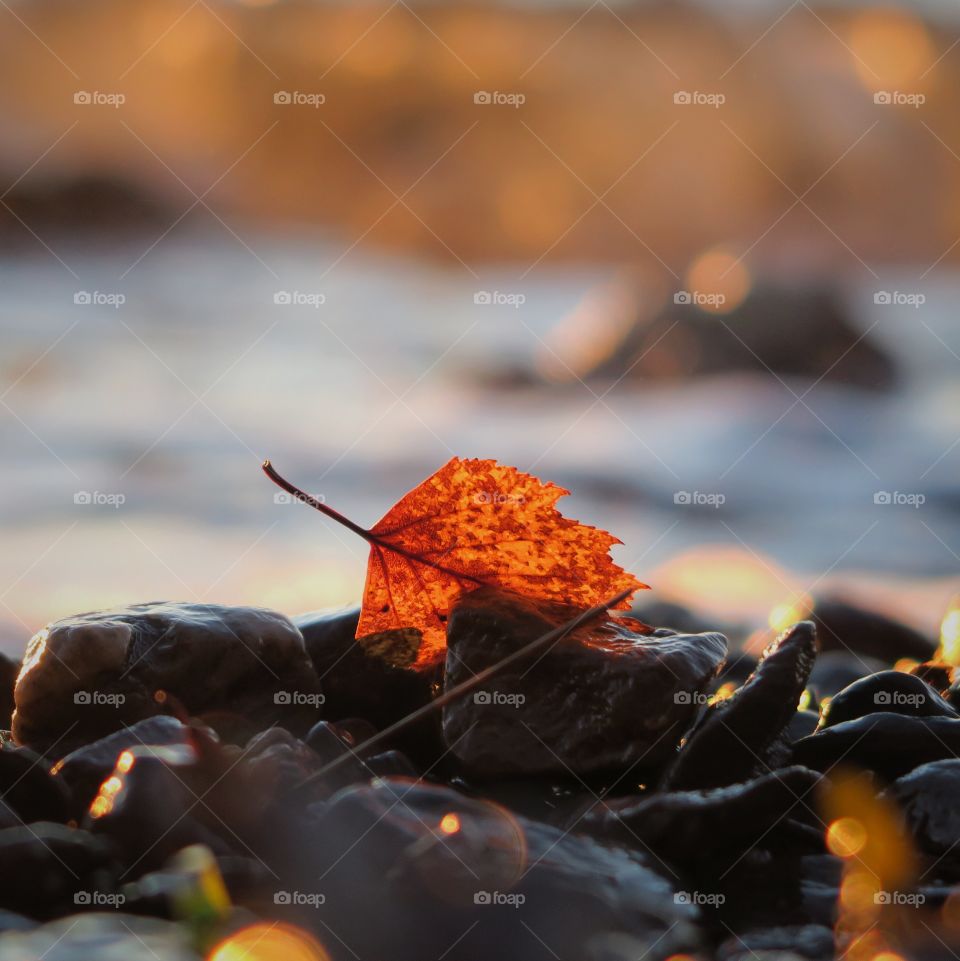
{"points": [[607, 696]]}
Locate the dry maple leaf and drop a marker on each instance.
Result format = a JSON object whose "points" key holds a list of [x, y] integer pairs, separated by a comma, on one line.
{"points": [[474, 523]]}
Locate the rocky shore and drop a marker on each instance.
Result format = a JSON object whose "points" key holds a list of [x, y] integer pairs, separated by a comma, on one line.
{"points": [[186, 781]]}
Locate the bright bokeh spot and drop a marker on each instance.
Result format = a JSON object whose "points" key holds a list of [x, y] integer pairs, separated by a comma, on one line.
{"points": [[719, 272], [846, 837], [449, 824], [784, 615], [125, 762], [269, 942], [891, 50], [950, 637]]}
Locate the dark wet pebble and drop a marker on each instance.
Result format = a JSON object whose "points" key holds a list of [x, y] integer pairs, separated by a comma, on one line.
{"points": [[604, 697], [730, 742], [91, 674], [687, 827], [48, 869], [927, 796], [844, 626], [357, 683], [888, 691], [150, 807], [85, 769], [27, 788], [889, 744]]}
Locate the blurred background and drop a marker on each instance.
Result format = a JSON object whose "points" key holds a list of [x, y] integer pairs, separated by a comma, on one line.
{"points": [[696, 262]]}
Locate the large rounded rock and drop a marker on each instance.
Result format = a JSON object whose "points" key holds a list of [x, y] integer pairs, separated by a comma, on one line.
{"points": [[88, 675], [451, 870], [605, 697]]}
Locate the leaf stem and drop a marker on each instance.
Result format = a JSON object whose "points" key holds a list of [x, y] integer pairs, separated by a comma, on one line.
{"points": [[319, 505]]}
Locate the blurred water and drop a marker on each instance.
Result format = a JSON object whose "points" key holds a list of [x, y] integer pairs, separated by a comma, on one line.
{"points": [[173, 399]]}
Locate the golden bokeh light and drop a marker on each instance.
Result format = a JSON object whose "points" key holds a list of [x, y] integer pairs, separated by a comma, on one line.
{"points": [[719, 279], [269, 942], [950, 636], [891, 50], [846, 837], [449, 824]]}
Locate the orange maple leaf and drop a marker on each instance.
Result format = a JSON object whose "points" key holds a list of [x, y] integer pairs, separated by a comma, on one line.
{"points": [[475, 523]]}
